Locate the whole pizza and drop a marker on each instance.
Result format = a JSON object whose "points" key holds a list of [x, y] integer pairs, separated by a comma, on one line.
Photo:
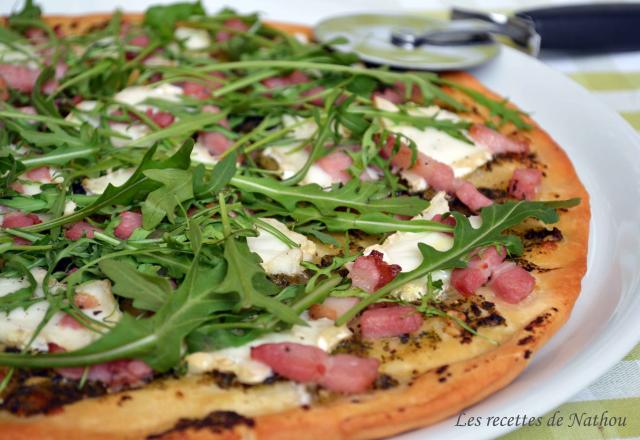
{"points": [[214, 228]]}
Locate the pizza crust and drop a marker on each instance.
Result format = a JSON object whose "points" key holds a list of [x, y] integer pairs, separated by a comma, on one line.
{"points": [[275, 412]]}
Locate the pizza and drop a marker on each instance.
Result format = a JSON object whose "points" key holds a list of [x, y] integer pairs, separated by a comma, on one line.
{"points": [[213, 227]]}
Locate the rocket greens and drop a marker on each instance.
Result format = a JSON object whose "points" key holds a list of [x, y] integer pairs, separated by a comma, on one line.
{"points": [[188, 270]]}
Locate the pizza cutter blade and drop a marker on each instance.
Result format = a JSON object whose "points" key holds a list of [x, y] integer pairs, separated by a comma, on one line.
{"points": [[419, 42]]}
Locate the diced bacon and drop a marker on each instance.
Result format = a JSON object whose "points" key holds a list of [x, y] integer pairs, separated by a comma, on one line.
{"points": [[525, 183], [471, 197], [371, 272], [448, 220], [115, 374], [19, 220], [36, 35], [20, 78], [511, 283], [385, 322], [496, 142], [215, 142], [196, 90], [416, 93], [85, 300], [298, 77], [349, 374], [390, 95], [276, 82], [307, 364], [332, 307], [129, 222], [140, 41], [210, 108], [478, 270], [234, 24], [40, 174], [79, 230], [69, 321], [162, 119], [299, 362], [28, 110], [438, 175], [23, 78], [468, 280], [319, 101], [336, 164]]}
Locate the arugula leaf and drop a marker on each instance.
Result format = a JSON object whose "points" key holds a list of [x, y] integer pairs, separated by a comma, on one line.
{"points": [[149, 292], [221, 174], [244, 272], [157, 340], [136, 187], [61, 155], [10, 168], [30, 11], [177, 186], [370, 223], [362, 196], [496, 219], [495, 107], [161, 20]]}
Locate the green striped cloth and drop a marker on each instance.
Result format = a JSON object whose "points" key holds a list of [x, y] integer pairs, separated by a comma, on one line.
{"points": [[614, 79]]}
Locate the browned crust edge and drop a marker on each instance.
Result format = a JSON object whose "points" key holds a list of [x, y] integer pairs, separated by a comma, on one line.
{"points": [[426, 400]]}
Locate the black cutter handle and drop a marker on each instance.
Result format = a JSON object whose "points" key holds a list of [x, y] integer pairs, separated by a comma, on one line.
{"points": [[604, 27]]}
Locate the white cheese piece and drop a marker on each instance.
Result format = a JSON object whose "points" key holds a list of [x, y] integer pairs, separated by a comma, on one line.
{"points": [[79, 113], [98, 185], [157, 60], [401, 248], [277, 257], [18, 326], [291, 159], [132, 132], [136, 95], [193, 39], [30, 188], [69, 207], [462, 157], [21, 54], [321, 333], [476, 221], [303, 131], [201, 154]]}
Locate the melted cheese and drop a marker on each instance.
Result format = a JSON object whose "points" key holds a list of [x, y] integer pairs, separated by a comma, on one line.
{"points": [[98, 185], [80, 113], [18, 326], [193, 39], [277, 256], [201, 154], [20, 54], [136, 95], [291, 158], [462, 157], [321, 333], [401, 248]]}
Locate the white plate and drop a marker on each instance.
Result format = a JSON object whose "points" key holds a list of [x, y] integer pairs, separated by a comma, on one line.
{"points": [[604, 325]]}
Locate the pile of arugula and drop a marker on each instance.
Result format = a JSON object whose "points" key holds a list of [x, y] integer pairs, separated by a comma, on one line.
{"points": [[196, 218]]}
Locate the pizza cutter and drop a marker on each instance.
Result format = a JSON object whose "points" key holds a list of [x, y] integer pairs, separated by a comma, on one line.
{"points": [[469, 38]]}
